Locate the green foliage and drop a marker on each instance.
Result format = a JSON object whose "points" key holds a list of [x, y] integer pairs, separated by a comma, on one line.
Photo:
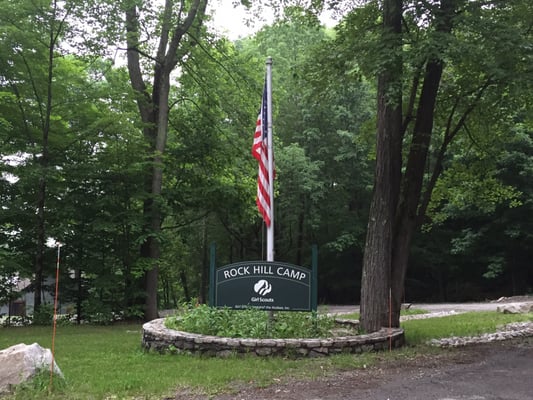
{"points": [[488, 236], [323, 135], [495, 267], [250, 323], [44, 315], [97, 312], [470, 190], [9, 274], [324, 124]]}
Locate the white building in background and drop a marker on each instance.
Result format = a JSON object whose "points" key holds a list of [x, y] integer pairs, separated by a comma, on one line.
{"points": [[24, 303]]}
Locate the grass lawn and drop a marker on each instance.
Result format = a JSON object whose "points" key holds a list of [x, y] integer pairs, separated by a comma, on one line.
{"points": [[468, 324], [107, 362], [102, 362]]}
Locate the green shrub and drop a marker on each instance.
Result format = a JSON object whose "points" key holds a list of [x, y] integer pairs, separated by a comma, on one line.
{"points": [[44, 315], [250, 323], [97, 312]]}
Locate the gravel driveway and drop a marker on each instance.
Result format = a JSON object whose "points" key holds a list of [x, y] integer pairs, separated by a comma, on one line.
{"points": [[489, 371], [496, 371], [441, 307]]}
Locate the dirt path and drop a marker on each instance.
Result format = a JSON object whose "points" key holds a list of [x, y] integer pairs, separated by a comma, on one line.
{"points": [[493, 371], [443, 307]]}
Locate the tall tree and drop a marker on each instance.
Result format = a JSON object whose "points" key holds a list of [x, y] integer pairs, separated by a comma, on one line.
{"points": [[413, 140], [377, 261], [177, 27], [32, 32]]}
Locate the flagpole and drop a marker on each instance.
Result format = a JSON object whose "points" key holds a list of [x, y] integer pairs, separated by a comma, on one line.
{"points": [[270, 228]]}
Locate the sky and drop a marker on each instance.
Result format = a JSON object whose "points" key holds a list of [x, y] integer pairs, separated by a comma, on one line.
{"points": [[231, 21]]}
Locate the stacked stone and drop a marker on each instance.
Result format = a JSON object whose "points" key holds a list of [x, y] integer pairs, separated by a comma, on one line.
{"points": [[159, 338], [510, 331]]}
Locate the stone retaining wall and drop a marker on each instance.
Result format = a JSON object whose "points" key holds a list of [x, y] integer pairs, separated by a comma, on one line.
{"points": [[159, 338]]}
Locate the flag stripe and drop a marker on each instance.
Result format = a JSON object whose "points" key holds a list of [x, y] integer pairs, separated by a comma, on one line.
{"points": [[260, 152]]}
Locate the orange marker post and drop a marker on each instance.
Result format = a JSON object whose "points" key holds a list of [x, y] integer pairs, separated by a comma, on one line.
{"points": [[55, 318]]}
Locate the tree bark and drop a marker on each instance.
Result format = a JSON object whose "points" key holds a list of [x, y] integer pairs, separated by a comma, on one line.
{"points": [[408, 211], [376, 275], [407, 214], [395, 209]]}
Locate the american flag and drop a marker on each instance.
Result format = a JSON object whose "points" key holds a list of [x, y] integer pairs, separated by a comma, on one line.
{"points": [[260, 152]]}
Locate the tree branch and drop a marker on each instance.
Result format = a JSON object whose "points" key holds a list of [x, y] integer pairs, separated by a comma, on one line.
{"points": [[196, 12], [449, 135]]}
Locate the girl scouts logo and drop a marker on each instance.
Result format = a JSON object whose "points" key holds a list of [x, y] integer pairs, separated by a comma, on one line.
{"points": [[262, 287]]}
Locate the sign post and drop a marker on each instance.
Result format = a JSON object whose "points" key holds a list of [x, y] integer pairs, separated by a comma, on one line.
{"points": [[212, 275]]}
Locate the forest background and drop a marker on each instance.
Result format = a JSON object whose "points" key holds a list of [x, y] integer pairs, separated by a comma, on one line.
{"points": [[76, 148]]}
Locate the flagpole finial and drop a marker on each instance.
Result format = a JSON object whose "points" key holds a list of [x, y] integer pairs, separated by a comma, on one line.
{"points": [[269, 60]]}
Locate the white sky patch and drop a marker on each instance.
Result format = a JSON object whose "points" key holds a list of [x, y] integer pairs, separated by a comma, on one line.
{"points": [[236, 22], [51, 242], [13, 160], [10, 177]]}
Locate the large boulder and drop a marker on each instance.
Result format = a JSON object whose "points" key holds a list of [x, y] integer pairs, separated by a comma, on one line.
{"points": [[516, 308], [21, 362]]}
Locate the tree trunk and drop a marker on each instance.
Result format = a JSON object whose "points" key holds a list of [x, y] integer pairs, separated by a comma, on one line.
{"points": [[407, 218], [150, 249], [409, 213], [375, 281], [185, 286], [154, 110], [390, 233]]}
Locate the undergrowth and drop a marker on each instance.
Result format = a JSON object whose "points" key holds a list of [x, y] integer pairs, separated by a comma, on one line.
{"points": [[250, 323]]}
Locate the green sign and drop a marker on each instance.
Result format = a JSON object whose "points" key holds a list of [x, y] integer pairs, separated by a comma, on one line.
{"points": [[265, 285]]}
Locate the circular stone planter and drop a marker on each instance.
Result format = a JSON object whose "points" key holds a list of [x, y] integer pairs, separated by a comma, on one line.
{"points": [[159, 338]]}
